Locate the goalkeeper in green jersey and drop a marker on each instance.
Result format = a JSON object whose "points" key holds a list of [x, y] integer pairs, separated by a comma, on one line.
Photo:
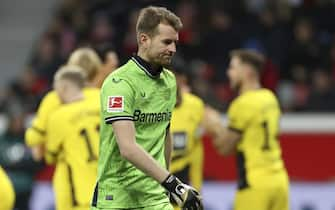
{"points": [[137, 101]]}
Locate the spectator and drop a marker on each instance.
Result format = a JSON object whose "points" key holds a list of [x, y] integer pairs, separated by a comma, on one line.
{"points": [[322, 97], [304, 50], [110, 61], [46, 59], [17, 160], [221, 37]]}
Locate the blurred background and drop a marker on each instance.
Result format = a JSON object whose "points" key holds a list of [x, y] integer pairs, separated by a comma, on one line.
{"points": [[297, 37]]}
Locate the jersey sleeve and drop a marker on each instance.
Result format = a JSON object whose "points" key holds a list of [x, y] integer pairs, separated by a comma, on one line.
{"points": [[35, 134], [117, 100], [56, 130], [239, 116]]}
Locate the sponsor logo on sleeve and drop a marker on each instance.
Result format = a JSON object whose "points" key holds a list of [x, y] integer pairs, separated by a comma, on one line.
{"points": [[115, 104]]}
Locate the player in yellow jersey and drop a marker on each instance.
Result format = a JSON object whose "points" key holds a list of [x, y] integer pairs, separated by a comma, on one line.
{"points": [[72, 141], [35, 135], [7, 193], [190, 119], [90, 63], [187, 145], [252, 135]]}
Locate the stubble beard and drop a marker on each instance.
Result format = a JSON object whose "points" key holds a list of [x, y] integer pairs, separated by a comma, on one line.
{"points": [[163, 61], [236, 86]]}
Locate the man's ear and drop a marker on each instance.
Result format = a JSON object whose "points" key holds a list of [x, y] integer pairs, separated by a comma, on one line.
{"points": [[65, 86], [144, 40]]}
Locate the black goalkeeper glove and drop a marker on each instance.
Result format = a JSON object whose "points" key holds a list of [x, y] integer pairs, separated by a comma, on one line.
{"points": [[184, 195]]}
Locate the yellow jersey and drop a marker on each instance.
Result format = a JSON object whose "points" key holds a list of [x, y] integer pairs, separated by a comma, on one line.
{"points": [[255, 114], [187, 154], [35, 134], [72, 143], [7, 193]]}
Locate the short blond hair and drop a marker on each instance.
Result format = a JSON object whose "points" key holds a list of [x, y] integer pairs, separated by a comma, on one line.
{"points": [[88, 60], [150, 17], [72, 73]]}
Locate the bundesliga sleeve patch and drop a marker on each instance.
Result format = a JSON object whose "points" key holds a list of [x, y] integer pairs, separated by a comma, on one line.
{"points": [[115, 104]]}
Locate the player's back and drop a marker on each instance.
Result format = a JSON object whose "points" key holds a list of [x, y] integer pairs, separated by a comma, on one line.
{"points": [[81, 135], [74, 140], [256, 115], [36, 133]]}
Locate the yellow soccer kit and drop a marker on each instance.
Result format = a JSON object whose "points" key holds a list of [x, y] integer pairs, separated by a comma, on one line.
{"points": [[35, 135], [187, 155], [262, 177], [7, 194], [72, 143]]}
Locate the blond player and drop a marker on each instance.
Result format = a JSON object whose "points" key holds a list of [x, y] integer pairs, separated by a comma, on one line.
{"points": [[35, 135], [72, 141], [137, 101]]}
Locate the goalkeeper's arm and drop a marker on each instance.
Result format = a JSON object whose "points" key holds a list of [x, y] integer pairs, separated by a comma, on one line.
{"points": [[186, 196]]}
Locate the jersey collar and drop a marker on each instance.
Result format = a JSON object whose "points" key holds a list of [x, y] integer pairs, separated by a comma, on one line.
{"points": [[146, 67]]}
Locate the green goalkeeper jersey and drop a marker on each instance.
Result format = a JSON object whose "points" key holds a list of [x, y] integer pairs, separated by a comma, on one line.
{"points": [[132, 92]]}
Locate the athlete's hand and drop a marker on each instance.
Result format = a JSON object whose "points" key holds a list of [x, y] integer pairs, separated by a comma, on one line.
{"points": [[184, 195]]}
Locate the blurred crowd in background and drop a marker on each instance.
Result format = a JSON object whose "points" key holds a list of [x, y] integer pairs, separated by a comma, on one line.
{"points": [[296, 36]]}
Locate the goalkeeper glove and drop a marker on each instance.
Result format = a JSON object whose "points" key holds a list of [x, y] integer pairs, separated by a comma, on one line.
{"points": [[184, 195]]}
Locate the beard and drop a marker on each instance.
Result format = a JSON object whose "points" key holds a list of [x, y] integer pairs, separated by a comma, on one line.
{"points": [[166, 63], [236, 86], [161, 60], [164, 60]]}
